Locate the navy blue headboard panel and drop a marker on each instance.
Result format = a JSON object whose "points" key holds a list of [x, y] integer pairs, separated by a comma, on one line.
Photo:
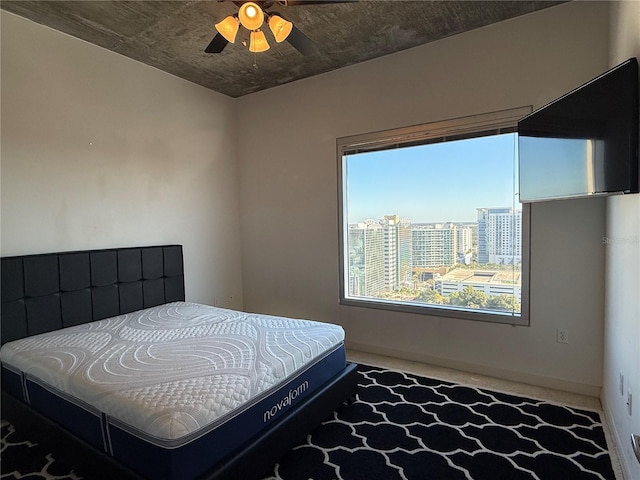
{"points": [[50, 291]]}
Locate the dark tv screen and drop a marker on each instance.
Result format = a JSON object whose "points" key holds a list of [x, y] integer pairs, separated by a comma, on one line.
{"points": [[584, 143]]}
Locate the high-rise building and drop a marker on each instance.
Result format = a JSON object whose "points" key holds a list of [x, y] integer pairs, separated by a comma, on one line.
{"points": [[464, 243], [499, 234], [389, 227], [434, 244], [405, 253], [397, 251], [366, 259], [379, 256]]}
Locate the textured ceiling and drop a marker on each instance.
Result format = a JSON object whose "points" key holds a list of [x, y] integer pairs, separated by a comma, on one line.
{"points": [[172, 35]]}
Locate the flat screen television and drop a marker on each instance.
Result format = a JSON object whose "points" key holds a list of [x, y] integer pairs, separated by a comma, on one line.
{"points": [[585, 143]]}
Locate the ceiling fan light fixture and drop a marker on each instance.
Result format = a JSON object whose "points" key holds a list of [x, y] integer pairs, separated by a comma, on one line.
{"points": [[228, 28], [251, 16], [280, 27], [258, 42]]}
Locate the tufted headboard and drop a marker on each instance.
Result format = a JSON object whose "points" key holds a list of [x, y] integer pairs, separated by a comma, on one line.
{"points": [[45, 292]]}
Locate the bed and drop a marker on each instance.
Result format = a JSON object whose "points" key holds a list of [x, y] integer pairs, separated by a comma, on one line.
{"points": [[102, 347]]}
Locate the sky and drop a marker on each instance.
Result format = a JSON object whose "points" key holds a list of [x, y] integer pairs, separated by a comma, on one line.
{"points": [[441, 182]]}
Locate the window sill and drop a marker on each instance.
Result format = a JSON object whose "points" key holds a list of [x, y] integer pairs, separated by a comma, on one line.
{"points": [[424, 309]]}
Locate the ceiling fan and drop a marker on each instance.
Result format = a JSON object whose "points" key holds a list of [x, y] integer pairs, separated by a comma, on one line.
{"points": [[253, 15]]}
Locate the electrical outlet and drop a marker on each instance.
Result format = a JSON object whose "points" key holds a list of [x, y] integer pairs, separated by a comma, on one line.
{"points": [[621, 384], [216, 302], [562, 335], [629, 402]]}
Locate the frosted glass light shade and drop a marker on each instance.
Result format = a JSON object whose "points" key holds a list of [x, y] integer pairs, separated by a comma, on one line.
{"points": [[280, 28], [228, 28], [251, 16], [258, 42]]}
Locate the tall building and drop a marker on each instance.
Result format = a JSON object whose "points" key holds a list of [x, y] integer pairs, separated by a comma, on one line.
{"points": [[464, 243], [405, 253], [397, 251], [366, 259], [389, 227], [434, 244], [379, 256], [499, 235]]}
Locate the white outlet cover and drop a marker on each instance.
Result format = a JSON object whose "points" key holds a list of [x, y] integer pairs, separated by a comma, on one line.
{"points": [[562, 335]]}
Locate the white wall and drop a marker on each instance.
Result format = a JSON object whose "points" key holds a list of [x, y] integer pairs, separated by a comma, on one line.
{"points": [[622, 326], [288, 178], [101, 151]]}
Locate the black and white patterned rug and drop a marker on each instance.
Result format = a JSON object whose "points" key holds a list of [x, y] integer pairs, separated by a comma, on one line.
{"points": [[23, 458], [407, 427]]}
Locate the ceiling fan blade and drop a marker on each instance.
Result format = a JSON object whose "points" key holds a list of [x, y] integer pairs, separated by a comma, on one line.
{"points": [[217, 44], [302, 43]]}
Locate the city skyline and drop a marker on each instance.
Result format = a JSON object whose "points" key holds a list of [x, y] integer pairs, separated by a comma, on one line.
{"points": [[446, 222], [495, 237], [433, 183], [391, 258]]}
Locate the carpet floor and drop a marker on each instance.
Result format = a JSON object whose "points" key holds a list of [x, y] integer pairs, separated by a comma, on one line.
{"points": [[408, 427]]}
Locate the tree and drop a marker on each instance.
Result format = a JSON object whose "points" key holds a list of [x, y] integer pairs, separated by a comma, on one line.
{"points": [[429, 295], [469, 297], [503, 302]]}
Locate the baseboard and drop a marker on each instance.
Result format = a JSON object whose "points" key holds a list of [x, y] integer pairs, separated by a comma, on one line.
{"points": [[504, 374], [613, 437]]}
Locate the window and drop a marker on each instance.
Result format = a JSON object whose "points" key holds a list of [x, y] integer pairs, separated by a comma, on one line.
{"points": [[430, 220]]}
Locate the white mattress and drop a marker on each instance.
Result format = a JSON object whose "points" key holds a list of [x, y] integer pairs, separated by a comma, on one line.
{"points": [[169, 371]]}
